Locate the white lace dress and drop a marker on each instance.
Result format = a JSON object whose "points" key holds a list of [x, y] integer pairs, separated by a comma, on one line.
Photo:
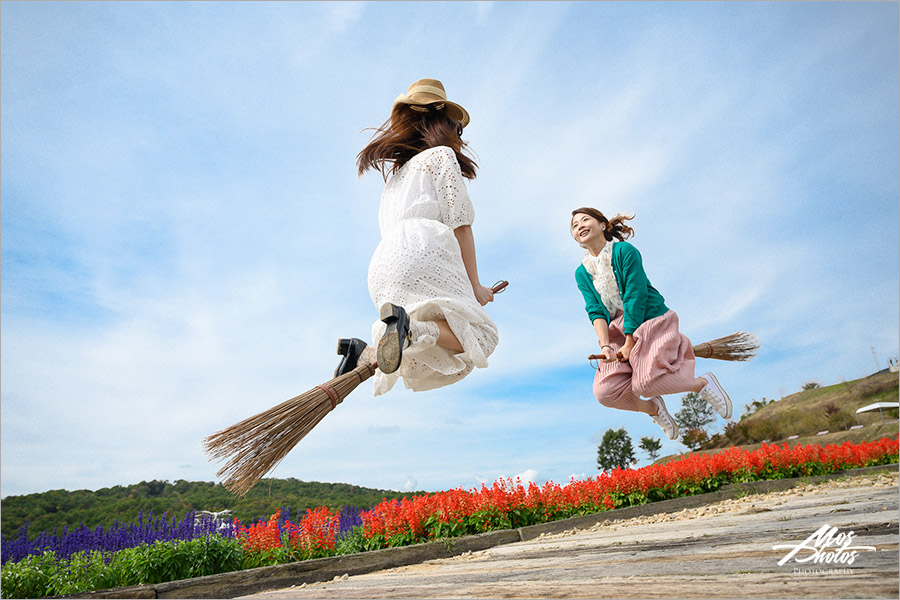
{"points": [[418, 265]]}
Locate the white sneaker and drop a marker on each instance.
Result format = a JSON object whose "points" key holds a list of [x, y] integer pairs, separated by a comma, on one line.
{"points": [[716, 395], [664, 419]]}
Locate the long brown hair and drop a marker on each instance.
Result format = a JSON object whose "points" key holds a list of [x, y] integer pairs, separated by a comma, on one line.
{"points": [[411, 130], [615, 227]]}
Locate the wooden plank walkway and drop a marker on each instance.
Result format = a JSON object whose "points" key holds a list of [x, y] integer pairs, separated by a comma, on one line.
{"points": [[724, 550]]}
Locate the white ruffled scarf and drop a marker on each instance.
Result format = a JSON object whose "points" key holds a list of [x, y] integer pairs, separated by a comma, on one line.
{"points": [[600, 268]]}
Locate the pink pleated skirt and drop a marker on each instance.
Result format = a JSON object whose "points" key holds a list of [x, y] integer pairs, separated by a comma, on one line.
{"points": [[662, 362]]}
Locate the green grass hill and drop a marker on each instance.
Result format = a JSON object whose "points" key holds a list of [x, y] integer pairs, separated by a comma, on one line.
{"points": [[817, 415], [49, 511]]}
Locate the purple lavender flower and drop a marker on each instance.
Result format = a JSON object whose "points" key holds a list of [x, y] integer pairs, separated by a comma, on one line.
{"points": [[149, 528]]}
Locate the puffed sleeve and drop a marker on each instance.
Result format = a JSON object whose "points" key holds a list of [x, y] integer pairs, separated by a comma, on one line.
{"points": [[450, 189]]}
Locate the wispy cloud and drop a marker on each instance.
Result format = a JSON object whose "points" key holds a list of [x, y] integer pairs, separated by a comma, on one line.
{"points": [[185, 237]]}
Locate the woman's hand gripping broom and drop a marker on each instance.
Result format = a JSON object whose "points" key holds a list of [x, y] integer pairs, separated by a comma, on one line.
{"points": [[737, 346]]}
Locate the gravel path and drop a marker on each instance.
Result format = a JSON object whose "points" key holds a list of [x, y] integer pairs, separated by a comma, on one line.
{"points": [[723, 550]]}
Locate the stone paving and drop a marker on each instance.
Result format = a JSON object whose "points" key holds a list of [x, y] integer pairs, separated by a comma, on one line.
{"points": [[723, 550]]}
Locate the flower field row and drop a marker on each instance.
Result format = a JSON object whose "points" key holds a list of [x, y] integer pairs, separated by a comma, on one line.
{"points": [[148, 529], [508, 504], [164, 551]]}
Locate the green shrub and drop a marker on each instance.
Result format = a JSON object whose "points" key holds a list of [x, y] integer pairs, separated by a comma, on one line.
{"points": [[47, 575], [764, 429], [694, 438], [170, 561], [30, 577], [841, 420], [737, 432], [352, 542]]}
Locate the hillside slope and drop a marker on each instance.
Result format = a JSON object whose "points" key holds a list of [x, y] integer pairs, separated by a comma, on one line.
{"points": [[849, 395], [806, 413], [805, 417]]}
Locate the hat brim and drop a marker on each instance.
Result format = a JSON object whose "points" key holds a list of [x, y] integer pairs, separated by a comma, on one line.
{"points": [[453, 110]]}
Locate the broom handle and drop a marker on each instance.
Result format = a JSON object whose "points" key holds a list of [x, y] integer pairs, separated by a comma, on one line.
{"points": [[742, 348], [709, 352]]}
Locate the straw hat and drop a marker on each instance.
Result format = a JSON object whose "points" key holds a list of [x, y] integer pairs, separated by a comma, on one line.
{"points": [[430, 92]]}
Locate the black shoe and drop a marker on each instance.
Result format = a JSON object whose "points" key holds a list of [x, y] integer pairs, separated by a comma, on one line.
{"points": [[395, 338], [350, 349]]}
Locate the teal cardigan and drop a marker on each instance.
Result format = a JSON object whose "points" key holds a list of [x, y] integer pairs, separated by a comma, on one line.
{"points": [[641, 301]]}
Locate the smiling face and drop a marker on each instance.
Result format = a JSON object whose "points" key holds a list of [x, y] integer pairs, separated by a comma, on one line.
{"points": [[587, 230]]}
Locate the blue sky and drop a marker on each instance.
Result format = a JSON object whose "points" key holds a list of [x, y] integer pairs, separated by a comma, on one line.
{"points": [[184, 236]]}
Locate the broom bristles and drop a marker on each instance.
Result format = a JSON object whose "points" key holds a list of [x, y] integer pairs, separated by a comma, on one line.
{"points": [[257, 444], [741, 345]]}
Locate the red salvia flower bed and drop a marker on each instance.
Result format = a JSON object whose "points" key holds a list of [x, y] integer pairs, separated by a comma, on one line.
{"points": [[509, 504], [275, 541]]}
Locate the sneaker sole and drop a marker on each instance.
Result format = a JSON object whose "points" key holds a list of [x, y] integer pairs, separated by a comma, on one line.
{"points": [[715, 381], [662, 409], [676, 430]]}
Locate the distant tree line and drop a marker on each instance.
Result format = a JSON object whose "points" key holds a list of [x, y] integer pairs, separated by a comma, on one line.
{"points": [[49, 511]]}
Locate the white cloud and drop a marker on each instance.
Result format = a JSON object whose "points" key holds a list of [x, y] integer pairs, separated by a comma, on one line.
{"points": [[185, 237], [527, 476]]}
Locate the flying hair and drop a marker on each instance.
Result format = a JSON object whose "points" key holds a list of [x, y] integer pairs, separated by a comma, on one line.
{"points": [[410, 130], [615, 227]]}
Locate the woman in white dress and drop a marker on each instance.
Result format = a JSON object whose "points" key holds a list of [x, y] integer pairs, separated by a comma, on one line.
{"points": [[423, 277]]}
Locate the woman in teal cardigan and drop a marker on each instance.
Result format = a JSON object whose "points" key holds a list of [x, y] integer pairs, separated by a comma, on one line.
{"points": [[642, 352]]}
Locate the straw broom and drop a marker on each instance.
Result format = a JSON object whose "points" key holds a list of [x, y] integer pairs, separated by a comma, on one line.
{"points": [[257, 444], [737, 346], [740, 345]]}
